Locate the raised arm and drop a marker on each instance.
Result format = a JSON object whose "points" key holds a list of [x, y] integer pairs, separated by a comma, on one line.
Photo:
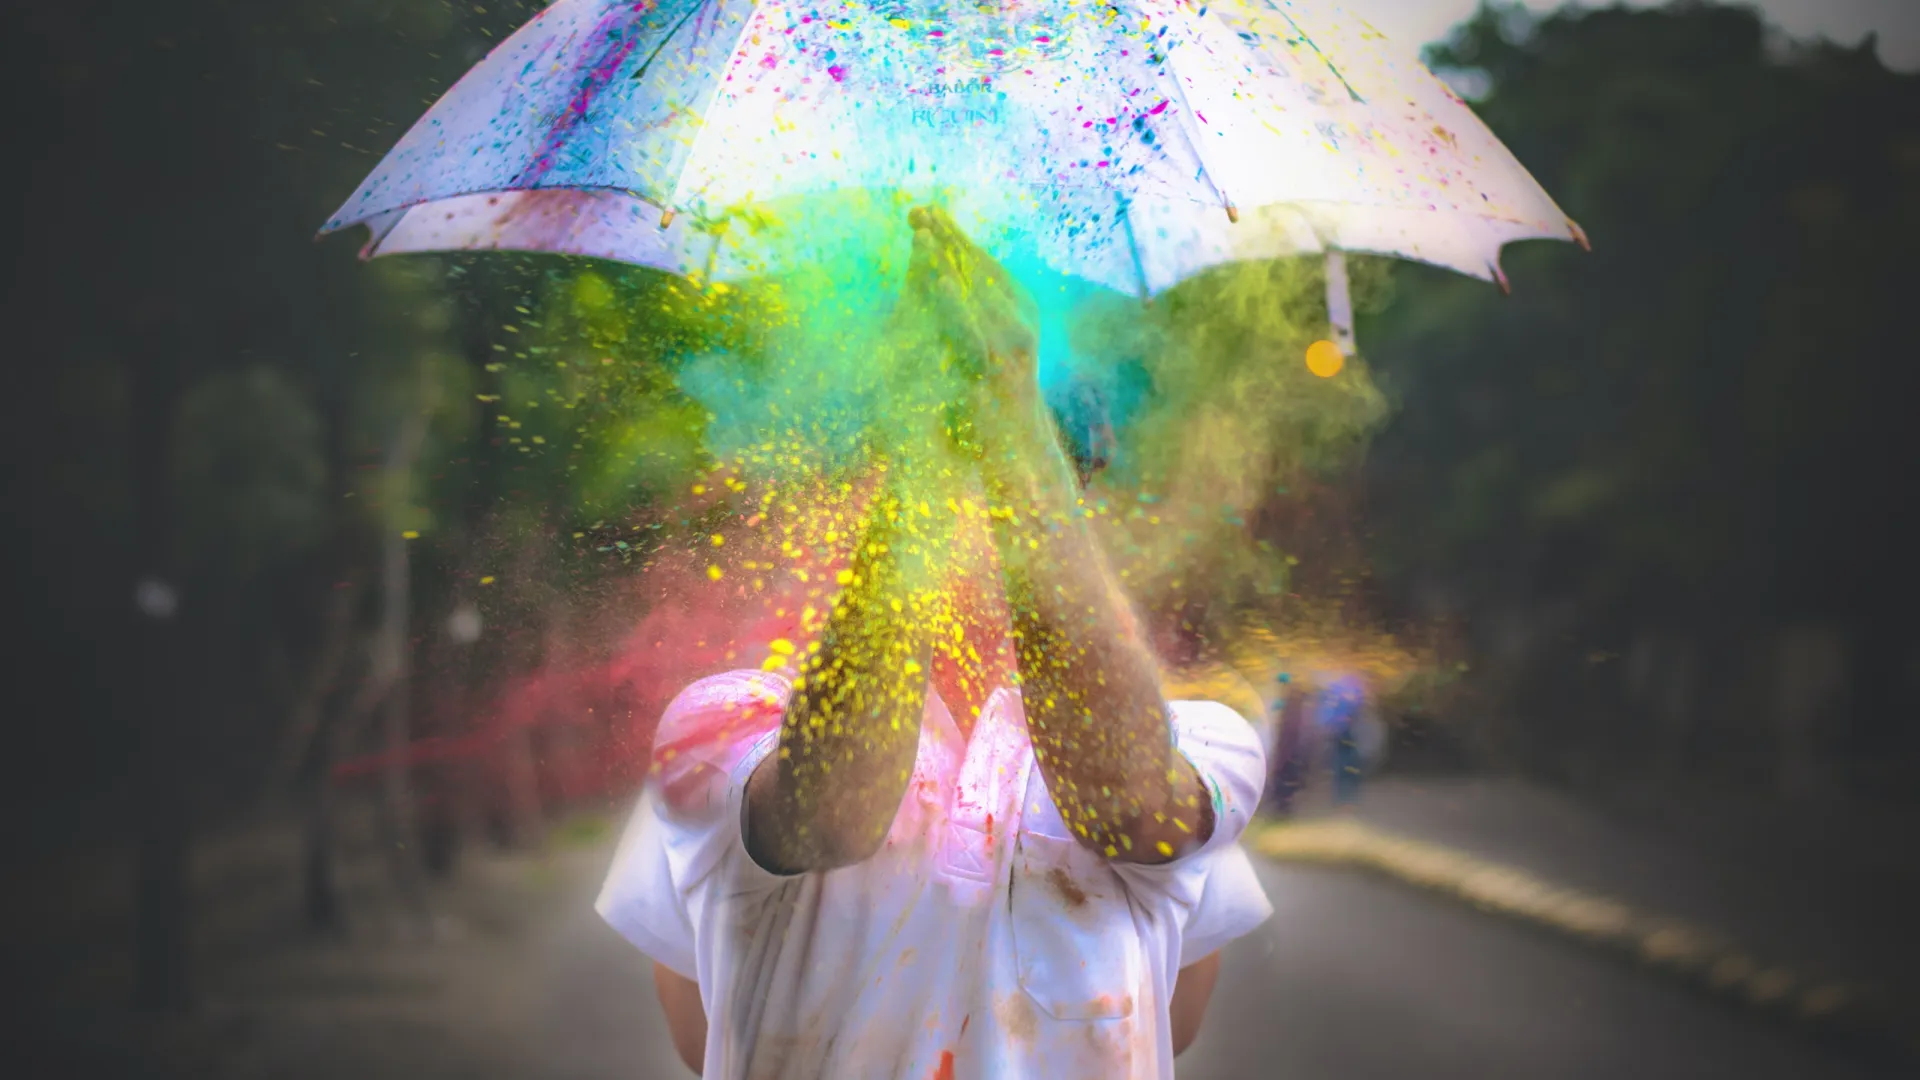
{"points": [[851, 730], [847, 742], [1090, 685]]}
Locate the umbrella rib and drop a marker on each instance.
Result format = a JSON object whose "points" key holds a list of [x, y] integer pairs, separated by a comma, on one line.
{"points": [[1186, 129], [692, 9], [1133, 245], [675, 197], [1315, 46]]}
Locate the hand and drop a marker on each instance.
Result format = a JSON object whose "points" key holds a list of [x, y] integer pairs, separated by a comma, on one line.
{"points": [[985, 316]]}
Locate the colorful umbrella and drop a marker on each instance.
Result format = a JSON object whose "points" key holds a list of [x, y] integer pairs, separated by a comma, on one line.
{"points": [[1128, 143]]}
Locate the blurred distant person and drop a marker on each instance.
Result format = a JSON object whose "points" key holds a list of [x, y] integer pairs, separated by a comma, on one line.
{"points": [[1292, 749], [1340, 718], [962, 835]]}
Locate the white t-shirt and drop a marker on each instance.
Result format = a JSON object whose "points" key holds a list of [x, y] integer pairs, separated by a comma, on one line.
{"points": [[980, 942]]}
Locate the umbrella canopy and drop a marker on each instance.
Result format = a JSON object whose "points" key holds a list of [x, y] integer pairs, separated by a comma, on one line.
{"points": [[1129, 143]]}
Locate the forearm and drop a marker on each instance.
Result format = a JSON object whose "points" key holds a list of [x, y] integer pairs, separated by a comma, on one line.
{"points": [[686, 1015], [1090, 685], [851, 728], [1192, 991]]}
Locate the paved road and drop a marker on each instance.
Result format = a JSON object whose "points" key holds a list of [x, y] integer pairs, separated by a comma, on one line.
{"points": [[1361, 979], [1354, 979], [1827, 890], [526, 983]]}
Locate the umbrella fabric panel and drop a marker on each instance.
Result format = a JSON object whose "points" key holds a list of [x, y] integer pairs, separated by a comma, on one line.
{"points": [[598, 223], [1466, 244], [915, 98], [557, 105], [1317, 84]]}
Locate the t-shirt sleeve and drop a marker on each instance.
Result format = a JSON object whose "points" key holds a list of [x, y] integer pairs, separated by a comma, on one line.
{"points": [[684, 847], [1225, 750], [1213, 888], [639, 898], [1232, 904]]}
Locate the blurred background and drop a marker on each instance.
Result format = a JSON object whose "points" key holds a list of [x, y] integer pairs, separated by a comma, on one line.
{"points": [[346, 594]]}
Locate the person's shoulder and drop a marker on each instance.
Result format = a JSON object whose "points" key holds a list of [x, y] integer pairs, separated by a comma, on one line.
{"points": [[742, 688], [1211, 721], [711, 726]]}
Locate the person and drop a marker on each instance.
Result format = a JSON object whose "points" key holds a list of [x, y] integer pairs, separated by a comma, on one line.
{"points": [[1290, 745], [1340, 707], [962, 835]]}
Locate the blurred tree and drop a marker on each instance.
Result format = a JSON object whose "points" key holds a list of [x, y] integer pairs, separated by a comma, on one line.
{"points": [[249, 475], [1701, 425], [203, 386]]}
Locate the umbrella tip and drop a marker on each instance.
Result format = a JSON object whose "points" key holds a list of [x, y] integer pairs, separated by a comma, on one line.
{"points": [[1579, 235], [1233, 214], [666, 218], [1500, 279]]}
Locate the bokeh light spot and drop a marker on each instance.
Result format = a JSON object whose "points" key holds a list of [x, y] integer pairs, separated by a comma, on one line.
{"points": [[1324, 359]]}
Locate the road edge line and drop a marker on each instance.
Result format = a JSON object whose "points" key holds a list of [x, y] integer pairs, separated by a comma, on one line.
{"points": [[1708, 961]]}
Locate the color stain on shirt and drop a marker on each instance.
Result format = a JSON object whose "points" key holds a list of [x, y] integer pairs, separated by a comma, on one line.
{"points": [[1069, 890]]}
